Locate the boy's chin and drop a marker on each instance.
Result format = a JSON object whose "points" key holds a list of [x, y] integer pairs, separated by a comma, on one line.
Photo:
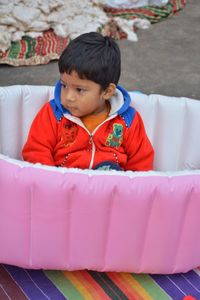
{"points": [[76, 115], [74, 112]]}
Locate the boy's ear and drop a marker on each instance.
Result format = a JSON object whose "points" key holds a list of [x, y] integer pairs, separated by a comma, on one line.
{"points": [[109, 91]]}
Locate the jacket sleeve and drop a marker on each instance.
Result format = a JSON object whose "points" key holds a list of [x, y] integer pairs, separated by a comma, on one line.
{"points": [[138, 147], [41, 139]]}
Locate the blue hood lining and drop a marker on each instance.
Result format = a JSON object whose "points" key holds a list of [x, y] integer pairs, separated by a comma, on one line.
{"points": [[58, 109], [127, 100]]}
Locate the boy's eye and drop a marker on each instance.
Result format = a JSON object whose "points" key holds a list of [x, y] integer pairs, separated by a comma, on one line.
{"points": [[64, 85], [80, 90]]}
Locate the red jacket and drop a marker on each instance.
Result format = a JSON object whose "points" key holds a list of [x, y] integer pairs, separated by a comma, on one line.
{"points": [[57, 138]]}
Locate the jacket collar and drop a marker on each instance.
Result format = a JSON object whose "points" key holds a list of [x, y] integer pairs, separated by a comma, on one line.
{"points": [[119, 102]]}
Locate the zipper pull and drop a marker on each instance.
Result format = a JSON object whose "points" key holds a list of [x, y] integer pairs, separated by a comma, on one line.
{"points": [[90, 141]]}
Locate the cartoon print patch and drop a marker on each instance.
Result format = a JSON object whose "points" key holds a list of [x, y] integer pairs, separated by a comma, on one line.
{"points": [[114, 139], [69, 134]]}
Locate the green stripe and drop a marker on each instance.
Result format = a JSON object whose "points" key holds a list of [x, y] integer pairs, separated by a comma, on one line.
{"points": [[109, 287], [33, 43], [153, 19], [162, 12], [166, 9], [64, 285], [28, 53], [14, 50], [154, 290], [130, 16]]}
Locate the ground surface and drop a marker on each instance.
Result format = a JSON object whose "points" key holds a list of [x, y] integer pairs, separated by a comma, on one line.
{"points": [[165, 60]]}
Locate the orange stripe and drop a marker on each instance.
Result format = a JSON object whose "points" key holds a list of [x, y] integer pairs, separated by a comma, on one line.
{"points": [[77, 284], [93, 287], [136, 285], [124, 285], [86, 285]]}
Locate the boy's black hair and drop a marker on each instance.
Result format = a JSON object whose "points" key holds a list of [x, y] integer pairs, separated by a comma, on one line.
{"points": [[93, 57]]}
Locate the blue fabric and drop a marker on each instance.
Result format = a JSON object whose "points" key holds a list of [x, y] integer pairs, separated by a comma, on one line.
{"points": [[128, 116], [107, 166], [56, 105], [127, 100], [126, 111]]}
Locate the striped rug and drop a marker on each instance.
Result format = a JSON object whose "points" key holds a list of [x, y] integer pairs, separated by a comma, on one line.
{"points": [[41, 50], [23, 284], [154, 14]]}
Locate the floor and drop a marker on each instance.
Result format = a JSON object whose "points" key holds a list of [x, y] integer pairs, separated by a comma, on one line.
{"points": [[165, 60]]}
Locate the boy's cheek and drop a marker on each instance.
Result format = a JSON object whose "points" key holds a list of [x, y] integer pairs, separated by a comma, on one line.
{"points": [[62, 99], [61, 94]]}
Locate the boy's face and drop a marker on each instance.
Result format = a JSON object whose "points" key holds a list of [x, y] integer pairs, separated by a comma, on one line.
{"points": [[83, 97]]}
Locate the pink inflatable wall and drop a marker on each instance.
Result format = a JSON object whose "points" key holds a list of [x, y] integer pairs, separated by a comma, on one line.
{"points": [[71, 219]]}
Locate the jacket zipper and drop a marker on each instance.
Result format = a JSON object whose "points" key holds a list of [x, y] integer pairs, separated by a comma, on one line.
{"points": [[93, 151], [92, 142], [91, 135]]}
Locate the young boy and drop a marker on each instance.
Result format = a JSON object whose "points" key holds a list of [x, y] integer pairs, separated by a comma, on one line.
{"points": [[89, 124]]}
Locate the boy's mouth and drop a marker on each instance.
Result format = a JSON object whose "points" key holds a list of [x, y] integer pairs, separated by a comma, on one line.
{"points": [[70, 107]]}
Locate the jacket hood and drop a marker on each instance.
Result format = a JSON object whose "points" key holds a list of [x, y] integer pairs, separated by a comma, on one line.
{"points": [[120, 102], [126, 99]]}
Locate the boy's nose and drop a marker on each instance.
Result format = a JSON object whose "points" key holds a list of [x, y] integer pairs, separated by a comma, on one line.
{"points": [[70, 96]]}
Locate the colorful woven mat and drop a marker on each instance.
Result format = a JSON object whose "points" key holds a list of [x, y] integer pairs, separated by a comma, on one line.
{"points": [[30, 51], [23, 284], [154, 14]]}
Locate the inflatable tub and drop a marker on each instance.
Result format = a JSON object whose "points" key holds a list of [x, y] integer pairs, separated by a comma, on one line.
{"points": [[71, 219]]}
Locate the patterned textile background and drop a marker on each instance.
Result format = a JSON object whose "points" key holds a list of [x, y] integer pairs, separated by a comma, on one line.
{"points": [[40, 50], [23, 284]]}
